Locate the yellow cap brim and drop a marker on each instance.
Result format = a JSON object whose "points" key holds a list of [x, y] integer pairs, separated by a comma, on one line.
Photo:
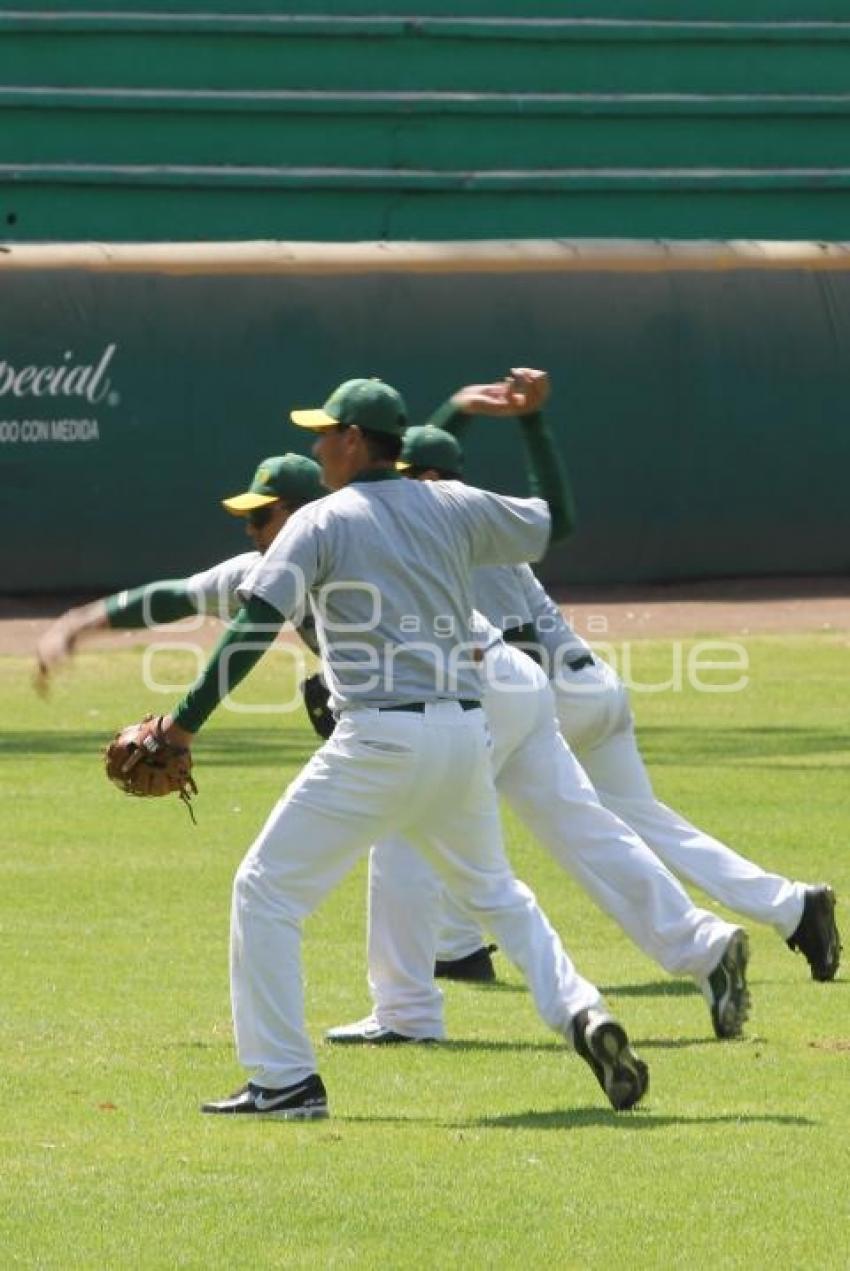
{"points": [[403, 467], [317, 420], [241, 504]]}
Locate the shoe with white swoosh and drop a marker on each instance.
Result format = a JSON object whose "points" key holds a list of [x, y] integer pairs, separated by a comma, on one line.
{"points": [[368, 1032], [306, 1100]]}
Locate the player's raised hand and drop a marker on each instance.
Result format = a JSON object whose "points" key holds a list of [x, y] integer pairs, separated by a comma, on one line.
{"points": [[522, 392], [528, 389], [484, 399]]}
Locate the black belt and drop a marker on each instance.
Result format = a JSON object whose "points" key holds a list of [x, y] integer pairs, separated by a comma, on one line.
{"points": [[418, 708], [578, 663], [526, 637]]}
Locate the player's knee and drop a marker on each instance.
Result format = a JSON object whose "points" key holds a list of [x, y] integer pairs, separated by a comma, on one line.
{"points": [[258, 890], [250, 886]]}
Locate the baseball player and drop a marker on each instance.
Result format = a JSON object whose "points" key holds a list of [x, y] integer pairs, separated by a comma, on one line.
{"points": [[537, 774], [386, 566], [596, 720], [281, 485]]}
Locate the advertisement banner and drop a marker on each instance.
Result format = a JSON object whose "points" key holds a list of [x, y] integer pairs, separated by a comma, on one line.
{"points": [[702, 415]]}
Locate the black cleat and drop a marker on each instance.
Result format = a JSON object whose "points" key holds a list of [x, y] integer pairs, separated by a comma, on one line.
{"points": [[602, 1043], [368, 1032], [817, 935], [306, 1100], [477, 966], [726, 990]]}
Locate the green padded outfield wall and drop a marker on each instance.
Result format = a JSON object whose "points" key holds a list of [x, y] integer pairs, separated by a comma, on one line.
{"points": [[703, 412]]}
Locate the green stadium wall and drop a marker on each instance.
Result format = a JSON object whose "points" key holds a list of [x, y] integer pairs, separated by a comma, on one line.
{"points": [[483, 119], [701, 400]]}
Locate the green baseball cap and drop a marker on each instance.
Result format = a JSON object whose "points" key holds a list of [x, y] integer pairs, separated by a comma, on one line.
{"points": [[430, 447], [371, 404], [292, 478]]}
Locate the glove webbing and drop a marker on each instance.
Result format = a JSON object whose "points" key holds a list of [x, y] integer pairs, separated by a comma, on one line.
{"points": [[156, 744]]}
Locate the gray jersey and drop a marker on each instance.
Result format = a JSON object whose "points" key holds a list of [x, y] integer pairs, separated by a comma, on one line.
{"points": [[387, 566], [500, 595], [215, 592], [557, 637], [512, 596]]}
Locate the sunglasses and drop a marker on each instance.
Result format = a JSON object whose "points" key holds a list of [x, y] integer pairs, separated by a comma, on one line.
{"points": [[260, 517]]}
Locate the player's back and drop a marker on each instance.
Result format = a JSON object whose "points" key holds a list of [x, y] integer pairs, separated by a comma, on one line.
{"points": [[394, 593]]}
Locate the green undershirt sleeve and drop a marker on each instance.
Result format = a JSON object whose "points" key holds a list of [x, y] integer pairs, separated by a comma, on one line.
{"points": [[450, 419], [151, 605], [547, 475], [244, 642]]}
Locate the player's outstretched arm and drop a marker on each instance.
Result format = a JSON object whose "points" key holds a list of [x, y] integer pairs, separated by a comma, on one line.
{"points": [[151, 605], [244, 642], [61, 638], [153, 757], [288, 574]]}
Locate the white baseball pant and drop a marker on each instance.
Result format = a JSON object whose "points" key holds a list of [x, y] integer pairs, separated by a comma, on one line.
{"points": [[427, 775], [541, 779], [596, 720]]}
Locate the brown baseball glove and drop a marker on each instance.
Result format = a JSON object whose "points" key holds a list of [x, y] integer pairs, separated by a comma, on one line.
{"points": [[140, 761]]}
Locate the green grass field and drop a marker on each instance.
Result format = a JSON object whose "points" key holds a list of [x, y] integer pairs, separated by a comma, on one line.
{"points": [[496, 1149]]}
